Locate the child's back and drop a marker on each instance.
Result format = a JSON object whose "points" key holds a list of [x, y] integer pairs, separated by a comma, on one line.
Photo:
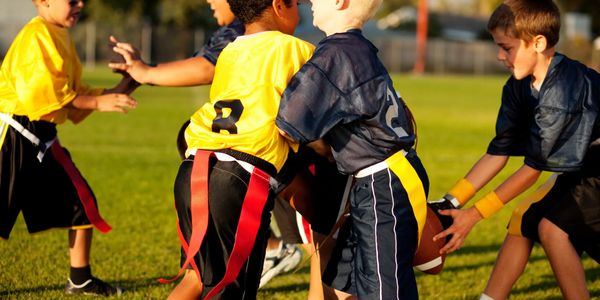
{"points": [[346, 96], [233, 140], [250, 76]]}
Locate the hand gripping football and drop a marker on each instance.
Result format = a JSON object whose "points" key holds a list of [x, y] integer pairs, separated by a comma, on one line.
{"points": [[428, 258]]}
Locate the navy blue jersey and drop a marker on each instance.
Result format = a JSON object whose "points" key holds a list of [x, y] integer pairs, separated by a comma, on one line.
{"points": [[552, 128], [219, 40], [345, 95]]}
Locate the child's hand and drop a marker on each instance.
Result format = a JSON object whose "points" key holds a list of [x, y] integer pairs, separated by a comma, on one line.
{"points": [[130, 61], [115, 103], [464, 220]]}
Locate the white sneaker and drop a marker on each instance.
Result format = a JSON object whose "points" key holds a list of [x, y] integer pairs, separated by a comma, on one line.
{"points": [[283, 259]]}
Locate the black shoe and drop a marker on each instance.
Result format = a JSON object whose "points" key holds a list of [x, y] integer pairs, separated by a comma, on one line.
{"points": [[94, 286]]}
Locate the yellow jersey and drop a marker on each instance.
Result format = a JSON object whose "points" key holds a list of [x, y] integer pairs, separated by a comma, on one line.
{"points": [[250, 76], [41, 74]]}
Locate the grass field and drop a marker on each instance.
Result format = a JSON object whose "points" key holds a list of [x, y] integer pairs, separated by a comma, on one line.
{"points": [[131, 160]]}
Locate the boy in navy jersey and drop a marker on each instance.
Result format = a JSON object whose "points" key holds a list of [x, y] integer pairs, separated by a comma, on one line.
{"points": [[196, 70], [345, 95], [549, 115]]}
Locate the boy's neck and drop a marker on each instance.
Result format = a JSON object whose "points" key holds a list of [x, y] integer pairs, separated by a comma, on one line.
{"points": [[341, 24], [541, 69], [341, 30]]}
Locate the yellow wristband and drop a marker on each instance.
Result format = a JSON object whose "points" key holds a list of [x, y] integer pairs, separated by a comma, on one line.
{"points": [[463, 191], [489, 204]]}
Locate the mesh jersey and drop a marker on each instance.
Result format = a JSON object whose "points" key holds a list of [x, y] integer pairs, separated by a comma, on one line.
{"points": [[555, 129], [221, 38], [41, 74], [250, 76], [345, 95]]}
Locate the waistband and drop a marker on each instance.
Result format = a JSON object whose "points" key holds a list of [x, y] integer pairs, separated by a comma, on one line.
{"points": [[247, 161], [372, 169], [16, 123]]}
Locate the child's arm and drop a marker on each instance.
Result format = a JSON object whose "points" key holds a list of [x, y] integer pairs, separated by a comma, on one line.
{"points": [[107, 102], [464, 220], [186, 72]]}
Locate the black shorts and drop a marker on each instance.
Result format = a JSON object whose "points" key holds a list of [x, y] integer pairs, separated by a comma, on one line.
{"points": [[572, 203], [325, 184], [373, 256], [43, 192], [227, 186], [290, 223]]}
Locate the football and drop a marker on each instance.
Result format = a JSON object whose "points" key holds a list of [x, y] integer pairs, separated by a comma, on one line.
{"points": [[427, 258]]}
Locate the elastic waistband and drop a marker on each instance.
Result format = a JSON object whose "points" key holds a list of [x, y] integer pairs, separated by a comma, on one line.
{"points": [[380, 165], [245, 160]]}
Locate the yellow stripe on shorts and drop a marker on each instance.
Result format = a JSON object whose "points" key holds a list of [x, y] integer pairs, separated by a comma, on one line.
{"points": [[514, 227], [413, 186]]}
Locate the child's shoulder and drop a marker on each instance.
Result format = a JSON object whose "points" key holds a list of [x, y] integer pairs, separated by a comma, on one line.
{"points": [[271, 41], [350, 44]]}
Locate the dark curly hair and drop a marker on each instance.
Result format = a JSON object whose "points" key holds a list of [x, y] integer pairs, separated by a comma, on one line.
{"points": [[248, 11]]}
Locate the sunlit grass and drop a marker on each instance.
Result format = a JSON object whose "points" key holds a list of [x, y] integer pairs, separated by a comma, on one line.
{"points": [[131, 160]]}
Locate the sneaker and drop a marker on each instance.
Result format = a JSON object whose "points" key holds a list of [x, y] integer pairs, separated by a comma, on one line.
{"points": [[94, 286], [281, 260]]}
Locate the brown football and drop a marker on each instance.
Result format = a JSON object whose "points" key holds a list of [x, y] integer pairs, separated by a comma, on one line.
{"points": [[428, 258]]}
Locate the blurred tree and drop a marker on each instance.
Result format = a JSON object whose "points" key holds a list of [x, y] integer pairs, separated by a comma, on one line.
{"points": [[116, 11], [181, 13], [389, 6], [589, 7], [186, 13]]}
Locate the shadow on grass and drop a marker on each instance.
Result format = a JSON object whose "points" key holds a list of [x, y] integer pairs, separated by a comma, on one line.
{"points": [[130, 285], [480, 250], [36, 289]]}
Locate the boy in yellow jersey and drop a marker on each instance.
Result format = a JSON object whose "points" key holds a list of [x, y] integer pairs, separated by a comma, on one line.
{"points": [[40, 87], [222, 189]]}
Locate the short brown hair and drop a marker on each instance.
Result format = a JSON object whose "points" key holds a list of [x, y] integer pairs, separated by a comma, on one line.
{"points": [[524, 19]]}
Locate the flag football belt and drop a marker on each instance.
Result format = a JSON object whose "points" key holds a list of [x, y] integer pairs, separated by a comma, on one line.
{"points": [[6, 118], [410, 180], [60, 155], [249, 221]]}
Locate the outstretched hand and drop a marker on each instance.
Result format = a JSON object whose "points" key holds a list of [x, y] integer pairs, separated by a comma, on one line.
{"points": [[130, 62], [464, 220]]}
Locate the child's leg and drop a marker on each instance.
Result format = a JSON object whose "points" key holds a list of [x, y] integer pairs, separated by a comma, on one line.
{"points": [[188, 288], [318, 290], [315, 286], [80, 243], [564, 260], [510, 264]]}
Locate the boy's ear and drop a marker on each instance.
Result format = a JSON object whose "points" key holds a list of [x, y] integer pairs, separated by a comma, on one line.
{"points": [[278, 7], [540, 43], [341, 4], [41, 3]]}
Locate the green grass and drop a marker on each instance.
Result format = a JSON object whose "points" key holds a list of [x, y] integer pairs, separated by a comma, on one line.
{"points": [[131, 160]]}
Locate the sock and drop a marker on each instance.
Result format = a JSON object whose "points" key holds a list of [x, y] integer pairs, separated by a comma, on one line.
{"points": [[81, 275], [485, 297]]}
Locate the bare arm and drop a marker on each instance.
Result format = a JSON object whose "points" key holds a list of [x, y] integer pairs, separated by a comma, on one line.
{"points": [[187, 72], [112, 102], [465, 220], [485, 169]]}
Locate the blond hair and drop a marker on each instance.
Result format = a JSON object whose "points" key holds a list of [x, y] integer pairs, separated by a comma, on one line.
{"points": [[363, 10]]}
